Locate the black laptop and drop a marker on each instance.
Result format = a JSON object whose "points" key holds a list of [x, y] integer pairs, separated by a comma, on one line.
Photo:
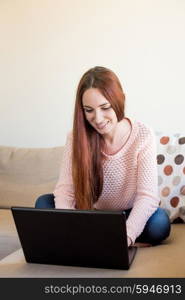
{"points": [[74, 237]]}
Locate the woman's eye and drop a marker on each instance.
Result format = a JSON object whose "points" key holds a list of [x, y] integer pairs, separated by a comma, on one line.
{"points": [[104, 108], [91, 110], [88, 110]]}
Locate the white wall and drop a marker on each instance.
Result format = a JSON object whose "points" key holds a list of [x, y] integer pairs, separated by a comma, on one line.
{"points": [[46, 46]]}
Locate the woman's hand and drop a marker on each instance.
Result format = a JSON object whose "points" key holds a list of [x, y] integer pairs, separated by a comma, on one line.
{"points": [[142, 245], [129, 241], [138, 245]]}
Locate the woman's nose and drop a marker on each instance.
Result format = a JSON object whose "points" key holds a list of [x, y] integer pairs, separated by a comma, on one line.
{"points": [[98, 117]]}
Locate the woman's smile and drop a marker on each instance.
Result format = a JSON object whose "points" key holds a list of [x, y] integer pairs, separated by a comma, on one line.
{"points": [[102, 126]]}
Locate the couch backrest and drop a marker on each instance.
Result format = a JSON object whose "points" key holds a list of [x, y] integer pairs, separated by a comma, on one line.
{"points": [[26, 173]]}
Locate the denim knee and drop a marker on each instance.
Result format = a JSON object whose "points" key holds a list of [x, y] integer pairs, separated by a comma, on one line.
{"points": [[157, 228], [45, 201]]}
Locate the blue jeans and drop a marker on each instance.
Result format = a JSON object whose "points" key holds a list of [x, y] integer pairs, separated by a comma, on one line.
{"points": [[156, 229]]}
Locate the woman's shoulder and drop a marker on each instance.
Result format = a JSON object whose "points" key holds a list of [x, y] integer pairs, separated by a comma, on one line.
{"points": [[144, 134], [68, 141], [144, 130], [69, 135]]}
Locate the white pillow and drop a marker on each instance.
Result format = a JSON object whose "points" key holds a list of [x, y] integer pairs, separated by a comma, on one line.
{"points": [[171, 173]]}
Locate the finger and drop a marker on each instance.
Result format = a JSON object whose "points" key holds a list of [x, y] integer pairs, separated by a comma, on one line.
{"points": [[142, 245]]}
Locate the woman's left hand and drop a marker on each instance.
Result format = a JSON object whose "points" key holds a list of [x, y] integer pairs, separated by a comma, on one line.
{"points": [[142, 245], [129, 242]]}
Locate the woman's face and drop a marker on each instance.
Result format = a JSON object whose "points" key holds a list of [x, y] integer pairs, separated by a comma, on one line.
{"points": [[98, 112]]}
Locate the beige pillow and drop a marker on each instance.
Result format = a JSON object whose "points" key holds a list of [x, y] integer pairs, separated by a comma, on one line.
{"points": [[26, 173]]}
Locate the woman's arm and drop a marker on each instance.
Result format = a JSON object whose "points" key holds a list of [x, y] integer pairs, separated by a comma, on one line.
{"points": [[147, 199], [64, 191]]}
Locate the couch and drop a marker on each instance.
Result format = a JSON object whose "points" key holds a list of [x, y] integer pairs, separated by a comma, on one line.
{"points": [[26, 174]]}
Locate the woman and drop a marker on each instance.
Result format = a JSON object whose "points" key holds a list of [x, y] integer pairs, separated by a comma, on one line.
{"points": [[109, 162]]}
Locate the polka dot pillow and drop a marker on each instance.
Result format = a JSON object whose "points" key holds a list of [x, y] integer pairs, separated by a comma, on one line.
{"points": [[171, 174]]}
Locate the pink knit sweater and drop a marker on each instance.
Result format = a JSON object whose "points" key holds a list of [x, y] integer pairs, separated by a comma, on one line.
{"points": [[130, 179]]}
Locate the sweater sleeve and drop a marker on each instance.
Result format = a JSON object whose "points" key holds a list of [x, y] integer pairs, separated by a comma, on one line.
{"points": [[64, 190], [147, 199]]}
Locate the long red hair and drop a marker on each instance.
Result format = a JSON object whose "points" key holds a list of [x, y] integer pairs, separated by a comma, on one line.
{"points": [[87, 159]]}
